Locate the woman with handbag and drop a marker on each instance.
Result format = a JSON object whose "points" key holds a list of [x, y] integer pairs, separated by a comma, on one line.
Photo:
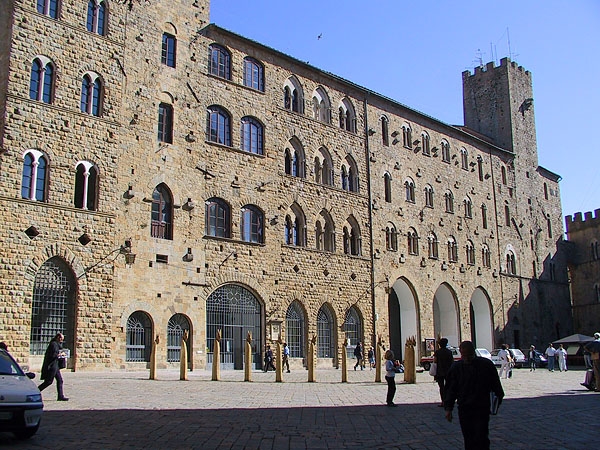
{"points": [[391, 369], [52, 365], [443, 359]]}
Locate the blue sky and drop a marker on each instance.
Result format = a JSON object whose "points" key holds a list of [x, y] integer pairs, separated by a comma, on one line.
{"points": [[415, 53]]}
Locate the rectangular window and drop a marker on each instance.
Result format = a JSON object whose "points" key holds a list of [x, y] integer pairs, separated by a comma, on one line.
{"points": [[168, 54], [165, 123]]}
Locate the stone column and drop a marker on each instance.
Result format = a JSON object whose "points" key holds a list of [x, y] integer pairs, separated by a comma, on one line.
{"points": [[216, 365], [278, 365], [153, 358], [378, 348], [248, 358], [183, 358], [410, 369], [344, 362], [311, 359]]}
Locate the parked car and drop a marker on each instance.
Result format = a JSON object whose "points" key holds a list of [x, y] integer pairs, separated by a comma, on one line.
{"points": [[483, 353], [519, 357], [427, 360], [21, 404]]}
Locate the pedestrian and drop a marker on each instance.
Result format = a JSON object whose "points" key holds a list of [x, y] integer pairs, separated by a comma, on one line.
{"points": [[286, 357], [52, 365], [532, 356], [371, 356], [550, 352], [469, 382], [504, 358], [358, 353], [390, 377], [443, 359], [561, 354], [269, 359], [587, 359], [594, 348]]}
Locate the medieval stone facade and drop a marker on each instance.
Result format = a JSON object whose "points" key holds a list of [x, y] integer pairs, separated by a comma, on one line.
{"points": [[161, 174]]}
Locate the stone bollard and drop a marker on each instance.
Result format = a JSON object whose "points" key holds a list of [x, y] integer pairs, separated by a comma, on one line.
{"points": [[278, 364], [410, 369], [183, 357], [344, 362], [311, 359], [378, 348], [153, 358], [248, 358], [216, 366]]}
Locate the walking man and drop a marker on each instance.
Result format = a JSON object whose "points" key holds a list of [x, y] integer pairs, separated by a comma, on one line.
{"points": [[358, 353], [550, 352], [51, 367]]}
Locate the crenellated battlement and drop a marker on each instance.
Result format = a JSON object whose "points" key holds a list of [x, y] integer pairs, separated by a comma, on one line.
{"points": [[578, 223], [491, 66]]}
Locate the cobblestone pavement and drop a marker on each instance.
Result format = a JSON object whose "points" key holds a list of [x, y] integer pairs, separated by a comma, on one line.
{"points": [[125, 410]]}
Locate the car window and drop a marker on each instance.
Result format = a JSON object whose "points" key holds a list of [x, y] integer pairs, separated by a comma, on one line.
{"points": [[8, 366]]}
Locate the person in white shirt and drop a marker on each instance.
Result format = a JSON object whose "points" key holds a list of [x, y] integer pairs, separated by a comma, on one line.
{"points": [[504, 358], [561, 354], [550, 353]]}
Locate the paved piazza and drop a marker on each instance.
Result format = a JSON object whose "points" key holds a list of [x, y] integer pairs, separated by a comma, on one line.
{"points": [[125, 410]]}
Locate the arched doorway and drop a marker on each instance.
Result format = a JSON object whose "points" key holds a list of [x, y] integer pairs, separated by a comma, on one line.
{"points": [[177, 326], [481, 320], [445, 315], [402, 313], [234, 310], [138, 347], [53, 306]]}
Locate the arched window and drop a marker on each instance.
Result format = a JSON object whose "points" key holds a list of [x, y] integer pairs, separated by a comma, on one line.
{"points": [[91, 94], [449, 197], [86, 186], [445, 151], [324, 232], [507, 215], [53, 305], [349, 175], [165, 123], [549, 227], [425, 144], [219, 129], [251, 136], [168, 55], [409, 186], [347, 117], [162, 213], [385, 131], [429, 196], [470, 250], [468, 208], [387, 186], [325, 333], [391, 237], [254, 74], [406, 136], [294, 159], [413, 242], [97, 17], [295, 227], [321, 106], [218, 218], [511, 266], [484, 223], [323, 167], [486, 256], [504, 175], [138, 347], [432, 246], [452, 249], [177, 326], [252, 224], [480, 167], [219, 62], [352, 239], [49, 8], [41, 85], [352, 330], [294, 330], [293, 96], [464, 159], [34, 184]]}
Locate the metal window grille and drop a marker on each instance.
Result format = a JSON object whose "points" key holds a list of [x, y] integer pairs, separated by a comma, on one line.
{"points": [[325, 348], [353, 330], [53, 305], [234, 310], [139, 338], [294, 330], [177, 325]]}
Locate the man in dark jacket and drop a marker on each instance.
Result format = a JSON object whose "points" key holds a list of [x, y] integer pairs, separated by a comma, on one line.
{"points": [[443, 359], [470, 381], [50, 367], [358, 354]]}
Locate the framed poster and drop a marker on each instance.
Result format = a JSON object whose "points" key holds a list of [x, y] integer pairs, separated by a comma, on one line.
{"points": [[430, 345]]}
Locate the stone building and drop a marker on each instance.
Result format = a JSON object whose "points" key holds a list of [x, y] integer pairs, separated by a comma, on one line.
{"points": [[583, 233], [161, 174]]}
